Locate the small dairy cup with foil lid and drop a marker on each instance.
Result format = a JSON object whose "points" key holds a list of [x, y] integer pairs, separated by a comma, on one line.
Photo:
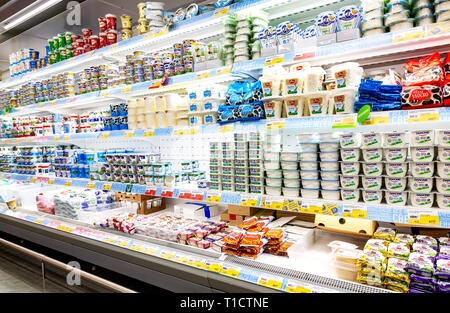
{"points": [[326, 23], [349, 17]]}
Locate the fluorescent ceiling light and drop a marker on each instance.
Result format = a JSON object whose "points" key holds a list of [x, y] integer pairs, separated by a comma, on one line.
{"points": [[38, 9]]}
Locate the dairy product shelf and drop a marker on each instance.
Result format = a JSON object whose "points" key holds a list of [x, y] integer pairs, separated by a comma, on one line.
{"points": [[379, 212]]}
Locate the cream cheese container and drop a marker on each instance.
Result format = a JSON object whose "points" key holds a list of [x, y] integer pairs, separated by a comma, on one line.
{"points": [[329, 175], [308, 166], [288, 165], [443, 186], [272, 156], [329, 146], [308, 156], [395, 154], [372, 155], [331, 194], [310, 184], [395, 183], [350, 195], [443, 138], [291, 192], [329, 137], [396, 169], [289, 156], [421, 184], [395, 139], [443, 154], [349, 182], [273, 182], [293, 183], [396, 198], [291, 174], [425, 169], [273, 173], [309, 193], [350, 168], [272, 191], [443, 201], [350, 140], [443, 169], [329, 185], [424, 200], [329, 156], [372, 183], [422, 154], [329, 166], [308, 147], [372, 140], [309, 174], [370, 196], [373, 169], [422, 138], [351, 154], [271, 165]]}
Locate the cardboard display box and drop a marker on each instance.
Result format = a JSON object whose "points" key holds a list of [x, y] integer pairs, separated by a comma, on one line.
{"points": [[346, 225], [242, 210], [144, 202], [232, 218], [298, 216]]}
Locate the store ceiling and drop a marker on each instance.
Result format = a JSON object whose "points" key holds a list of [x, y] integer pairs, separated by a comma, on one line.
{"points": [[34, 33]]}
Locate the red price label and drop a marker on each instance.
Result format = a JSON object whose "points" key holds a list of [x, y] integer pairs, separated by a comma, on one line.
{"points": [[185, 195], [197, 196], [167, 193], [150, 192], [73, 100]]}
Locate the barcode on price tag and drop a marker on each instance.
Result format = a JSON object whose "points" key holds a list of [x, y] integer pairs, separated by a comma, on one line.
{"points": [[275, 125], [345, 121], [270, 281], [249, 200], [230, 270], [423, 217], [213, 196], [295, 287], [275, 202], [354, 210], [426, 115]]}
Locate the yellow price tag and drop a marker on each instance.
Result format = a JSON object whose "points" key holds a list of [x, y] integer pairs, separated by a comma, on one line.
{"points": [[193, 131], [30, 140], [210, 266], [56, 138], [213, 196], [221, 12], [149, 133], [438, 28], [225, 129], [202, 76], [355, 211], [270, 281], [90, 186], [312, 208], [122, 243], [106, 187], [274, 60], [104, 93], [128, 135], [249, 200], [149, 251], [179, 132], [137, 248], [410, 34], [274, 203], [295, 288], [50, 182], [38, 221], [232, 271], [67, 184], [52, 103], [345, 121], [165, 255], [104, 136], [197, 263], [377, 118], [33, 180], [423, 217], [275, 125], [109, 240], [40, 105], [179, 258], [426, 115], [223, 71], [66, 138], [126, 90]]}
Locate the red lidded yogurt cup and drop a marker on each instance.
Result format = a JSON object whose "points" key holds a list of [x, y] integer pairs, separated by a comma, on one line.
{"points": [[111, 21]]}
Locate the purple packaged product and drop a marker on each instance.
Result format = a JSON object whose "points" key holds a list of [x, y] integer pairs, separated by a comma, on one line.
{"points": [[442, 269], [420, 264], [423, 286], [422, 279], [444, 241], [428, 240], [444, 286], [424, 249]]}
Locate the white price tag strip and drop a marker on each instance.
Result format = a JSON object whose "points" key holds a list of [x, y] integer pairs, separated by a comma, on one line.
{"points": [[230, 270], [425, 115], [423, 217], [296, 287], [270, 281], [354, 210]]}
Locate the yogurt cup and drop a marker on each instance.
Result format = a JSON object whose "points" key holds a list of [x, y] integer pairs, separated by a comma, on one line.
{"points": [[396, 169], [421, 184], [349, 182], [273, 139], [289, 156], [443, 186], [309, 193], [273, 173], [310, 184], [329, 166], [309, 174], [291, 183], [329, 156], [291, 174], [273, 108], [372, 183], [271, 165], [422, 154], [395, 140], [272, 191], [329, 185], [350, 168], [396, 198], [395, 154], [272, 156], [395, 183], [370, 196], [331, 194], [372, 140], [308, 156], [443, 201], [317, 102], [307, 138], [443, 154], [342, 100], [329, 146], [422, 138], [273, 182], [422, 169], [288, 165], [443, 169], [443, 138], [308, 166], [272, 147], [424, 200], [329, 176], [350, 140], [372, 155], [294, 107], [291, 192], [329, 137], [350, 195], [308, 147]]}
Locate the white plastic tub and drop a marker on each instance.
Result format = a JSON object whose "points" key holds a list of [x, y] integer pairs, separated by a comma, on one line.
{"points": [[443, 154], [352, 195], [372, 140], [372, 183], [443, 186], [350, 140], [294, 183], [294, 106], [443, 138], [273, 108], [350, 154], [307, 138], [329, 166], [317, 103], [273, 191], [329, 175], [310, 184], [286, 165], [329, 185], [424, 200], [329, 146], [347, 74], [291, 192], [276, 147], [343, 100], [443, 169], [274, 173], [308, 166], [272, 156], [396, 169], [422, 154], [349, 182], [422, 138], [308, 147], [331, 194], [289, 156], [395, 139], [421, 184], [308, 156], [443, 201], [273, 182], [373, 169], [273, 139], [293, 84], [395, 154], [350, 168], [396, 198], [422, 169], [309, 193], [271, 86], [372, 155], [370, 196], [291, 174], [314, 77], [271, 165], [329, 156], [395, 183], [309, 174]]}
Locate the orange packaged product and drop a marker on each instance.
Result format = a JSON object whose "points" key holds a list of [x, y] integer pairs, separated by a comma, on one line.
{"points": [[233, 252], [251, 240], [250, 222], [250, 255], [424, 71], [258, 226], [274, 233], [232, 247], [233, 238], [283, 248], [250, 250]]}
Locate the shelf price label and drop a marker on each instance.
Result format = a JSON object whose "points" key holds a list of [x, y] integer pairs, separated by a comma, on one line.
{"points": [[377, 118], [167, 255], [354, 210], [194, 131], [33, 180], [126, 90], [137, 248], [56, 138], [179, 132], [203, 75], [275, 125], [109, 240], [437, 29], [104, 93], [221, 11], [270, 281], [128, 134], [149, 250], [295, 287], [212, 266], [273, 202], [149, 133], [106, 187], [180, 258], [223, 71], [410, 34], [345, 121], [68, 183], [168, 193], [426, 115], [90, 186], [213, 196], [51, 182], [196, 262], [121, 243], [423, 217], [104, 136], [225, 129], [274, 60], [249, 200], [150, 191], [310, 207], [230, 270]]}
